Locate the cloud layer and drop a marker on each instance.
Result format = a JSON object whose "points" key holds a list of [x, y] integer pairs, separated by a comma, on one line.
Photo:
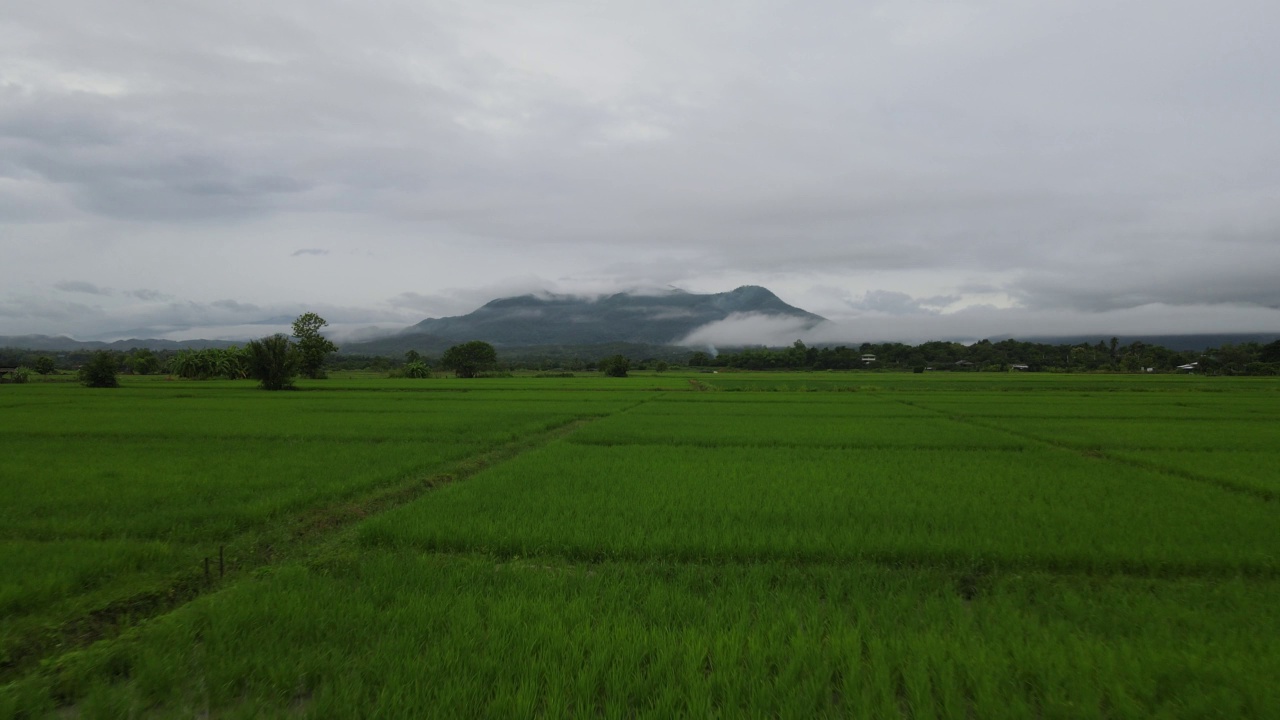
{"points": [[1076, 162]]}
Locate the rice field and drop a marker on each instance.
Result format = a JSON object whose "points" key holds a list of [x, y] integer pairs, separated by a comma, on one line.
{"points": [[729, 545]]}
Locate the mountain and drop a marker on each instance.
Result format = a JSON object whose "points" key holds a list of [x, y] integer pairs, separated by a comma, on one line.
{"points": [[558, 320], [62, 343]]}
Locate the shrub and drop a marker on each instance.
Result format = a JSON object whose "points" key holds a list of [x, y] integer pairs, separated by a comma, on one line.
{"points": [[20, 375], [100, 371], [144, 362], [615, 366], [272, 362], [1260, 368], [415, 369]]}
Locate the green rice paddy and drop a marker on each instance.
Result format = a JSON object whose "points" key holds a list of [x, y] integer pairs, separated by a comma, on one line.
{"points": [[727, 545]]}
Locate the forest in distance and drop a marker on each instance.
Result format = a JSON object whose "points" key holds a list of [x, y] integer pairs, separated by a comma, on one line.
{"points": [[1113, 355]]}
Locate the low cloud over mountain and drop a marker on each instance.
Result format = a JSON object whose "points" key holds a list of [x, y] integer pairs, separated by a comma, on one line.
{"points": [[659, 319]]}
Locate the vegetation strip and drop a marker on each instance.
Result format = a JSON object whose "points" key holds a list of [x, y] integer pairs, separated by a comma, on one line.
{"points": [[407, 634], [1036, 509], [1101, 454], [269, 546]]}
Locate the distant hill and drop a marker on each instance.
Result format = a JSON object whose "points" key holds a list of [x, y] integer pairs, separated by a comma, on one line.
{"points": [[565, 320], [62, 343], [565, 326]]}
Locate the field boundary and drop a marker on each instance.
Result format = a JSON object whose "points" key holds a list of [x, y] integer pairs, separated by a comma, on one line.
{"points": [[937, 560], [1220, 483], [291, 538]]}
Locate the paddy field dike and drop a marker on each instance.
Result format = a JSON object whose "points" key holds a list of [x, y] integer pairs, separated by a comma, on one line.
{"points": [[950, 545]]}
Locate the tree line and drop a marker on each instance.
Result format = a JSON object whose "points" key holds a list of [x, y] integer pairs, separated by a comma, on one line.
{"points": [[1136, 357], [276, 360]]}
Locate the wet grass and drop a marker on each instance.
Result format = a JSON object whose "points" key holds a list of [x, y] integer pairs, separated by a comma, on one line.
{"points": [[736, 544]]}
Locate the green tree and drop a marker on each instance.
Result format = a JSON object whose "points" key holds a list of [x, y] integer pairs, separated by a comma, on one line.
{"points": [[312, 346], [469, 358], [183, 363], [797, 355], [144, 362], [272, 362], [44, 365], [100, 371], [1270, 353], [1234, 358], [234, 363], [615, 366]]}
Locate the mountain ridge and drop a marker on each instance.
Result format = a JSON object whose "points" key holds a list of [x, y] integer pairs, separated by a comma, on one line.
{"points": [[652, 319]]}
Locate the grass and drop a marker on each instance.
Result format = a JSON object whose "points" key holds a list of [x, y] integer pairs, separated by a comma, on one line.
{"points": [[401, 634], [789, 427], [733, 544], [1036, 508], [36, 574], [191, 491], [174, 470], [1255, 469]]}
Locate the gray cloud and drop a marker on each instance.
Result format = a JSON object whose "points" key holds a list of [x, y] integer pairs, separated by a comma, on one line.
{"points": [[35, 315], [897, 303], [148, 295], [748, 329], [80, 286], [904, 159], [419, 302], [979, 322], [234, 306]]}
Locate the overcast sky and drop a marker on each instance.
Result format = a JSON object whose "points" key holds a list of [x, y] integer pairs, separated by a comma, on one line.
{"points": [[908, 169]]}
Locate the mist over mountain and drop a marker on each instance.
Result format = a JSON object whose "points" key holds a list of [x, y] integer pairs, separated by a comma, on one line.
{"points": [[660, 319], [648, 324]]}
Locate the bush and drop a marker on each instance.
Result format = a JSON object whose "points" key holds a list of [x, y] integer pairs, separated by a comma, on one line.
{"points": [[1260, 368], [144, 362], [20, 375], [272, 362], [615, 366], [45, 365], [100, 371], [416, 369]]}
